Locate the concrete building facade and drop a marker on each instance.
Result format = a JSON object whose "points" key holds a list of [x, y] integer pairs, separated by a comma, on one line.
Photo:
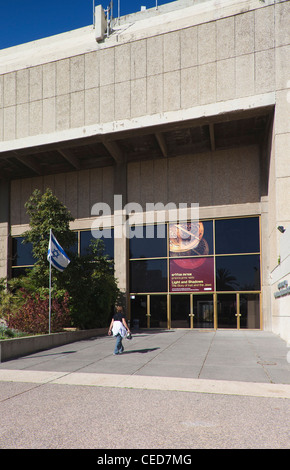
{"points": [[188, 103]]}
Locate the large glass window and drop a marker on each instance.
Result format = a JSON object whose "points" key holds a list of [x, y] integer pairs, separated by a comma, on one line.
{"points": [[150, 242], [148, 275], [106, 235], [21, 253], [237, 235], [197, 260], [238, 273]]}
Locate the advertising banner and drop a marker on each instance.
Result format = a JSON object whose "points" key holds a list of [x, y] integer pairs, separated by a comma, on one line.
{"points": [[194, 274], [191, 275]]}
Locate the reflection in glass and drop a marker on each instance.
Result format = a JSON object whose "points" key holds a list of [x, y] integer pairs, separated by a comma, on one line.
{"points": [[21, 253], [158, 311], [150, 242], [138, 311], [238, 273], [18, 272], [250, 311], [107, 237], [148, 276], [203, 309], [237, 235], [180, 310], [227, 310]]}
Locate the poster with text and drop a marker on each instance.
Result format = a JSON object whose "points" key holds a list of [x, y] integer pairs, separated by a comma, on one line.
{"points": [[192, 275]]}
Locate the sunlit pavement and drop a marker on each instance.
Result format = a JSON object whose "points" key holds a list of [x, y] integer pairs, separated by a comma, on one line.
{"points": [[169, 389]]}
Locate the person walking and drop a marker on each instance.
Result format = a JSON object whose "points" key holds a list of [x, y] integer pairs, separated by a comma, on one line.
{"points": [[118, 328]]}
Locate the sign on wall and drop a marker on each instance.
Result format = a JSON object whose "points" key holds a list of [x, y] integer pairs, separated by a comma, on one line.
{"points": [[189, 274]]}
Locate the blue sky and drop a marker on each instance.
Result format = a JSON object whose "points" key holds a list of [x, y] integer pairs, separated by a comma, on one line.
{"points": [[27, 20]]}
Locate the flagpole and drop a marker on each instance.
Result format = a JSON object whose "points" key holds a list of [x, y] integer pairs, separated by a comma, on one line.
{"points": [[49, 315]]}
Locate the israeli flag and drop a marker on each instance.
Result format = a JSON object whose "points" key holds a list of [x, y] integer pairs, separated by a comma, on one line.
{"points": [[56, 255]]}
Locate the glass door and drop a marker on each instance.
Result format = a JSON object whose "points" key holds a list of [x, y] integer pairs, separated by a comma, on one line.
{"points": [[227, 313], [180, 311], [249, 310], [138, 310], [158, 311], [203, 311]]}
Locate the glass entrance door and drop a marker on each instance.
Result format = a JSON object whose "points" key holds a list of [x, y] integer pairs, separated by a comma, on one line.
{"points": [[249, 310], [148, 311], [227, 311], [180, 311], [158, 311], [138, 307], [203, 311]]}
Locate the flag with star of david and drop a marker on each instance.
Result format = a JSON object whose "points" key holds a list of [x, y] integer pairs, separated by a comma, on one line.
{"points": [[56, 255]]}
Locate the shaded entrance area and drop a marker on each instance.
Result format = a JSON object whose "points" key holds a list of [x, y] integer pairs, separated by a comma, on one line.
{"points": [[201, 311]]}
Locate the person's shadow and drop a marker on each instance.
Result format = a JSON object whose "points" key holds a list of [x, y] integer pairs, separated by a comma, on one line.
{"points": [[142, 351]]}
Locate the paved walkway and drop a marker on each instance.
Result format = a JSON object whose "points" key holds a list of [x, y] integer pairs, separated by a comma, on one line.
{"points": [[169, 389]]}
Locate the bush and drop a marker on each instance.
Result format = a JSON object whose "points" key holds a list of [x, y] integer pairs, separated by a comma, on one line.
{"points": [[8, 333], [33, 315]]}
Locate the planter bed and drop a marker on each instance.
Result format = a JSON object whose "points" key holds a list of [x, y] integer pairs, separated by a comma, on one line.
{"points": [[18, 347]]}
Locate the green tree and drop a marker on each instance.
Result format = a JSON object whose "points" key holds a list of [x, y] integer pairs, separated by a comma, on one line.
{"points": [[47, 212], [89, 280], [92, 287]]}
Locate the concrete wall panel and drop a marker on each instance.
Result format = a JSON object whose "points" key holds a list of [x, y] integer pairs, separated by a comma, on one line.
{"points": [[220, 178], [188, 47], [49, 80], [77, 73], [35, 83], [22, 86]]}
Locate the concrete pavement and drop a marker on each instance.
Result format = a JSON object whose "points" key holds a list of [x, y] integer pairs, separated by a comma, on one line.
{"points": [[169, 389]]}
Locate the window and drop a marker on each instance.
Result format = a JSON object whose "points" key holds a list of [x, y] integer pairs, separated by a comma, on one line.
{"points": [[238, 273], [22, 257], [203, 257], [21, 253], [237, 235], [150, 242], [148, 275], [106, 235]]}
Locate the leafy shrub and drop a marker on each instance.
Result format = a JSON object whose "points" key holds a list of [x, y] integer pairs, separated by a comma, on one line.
{"points": [[33, 315], [8, 333]]}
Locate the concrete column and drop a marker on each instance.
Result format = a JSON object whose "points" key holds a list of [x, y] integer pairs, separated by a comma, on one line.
{"points": [[121, 254], [4, 227], [120, 180]]}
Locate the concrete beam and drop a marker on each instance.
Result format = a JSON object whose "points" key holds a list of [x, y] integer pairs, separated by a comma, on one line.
{"points": [[162, 143], [30, 163], [114, 151], [212, 138], [70, 158]]}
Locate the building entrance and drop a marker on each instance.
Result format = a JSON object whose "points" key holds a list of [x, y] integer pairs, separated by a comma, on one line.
{"points": [[181, 311], [203, 274], [148, 311], [172, 311], [232, 310], [239, 310]]}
